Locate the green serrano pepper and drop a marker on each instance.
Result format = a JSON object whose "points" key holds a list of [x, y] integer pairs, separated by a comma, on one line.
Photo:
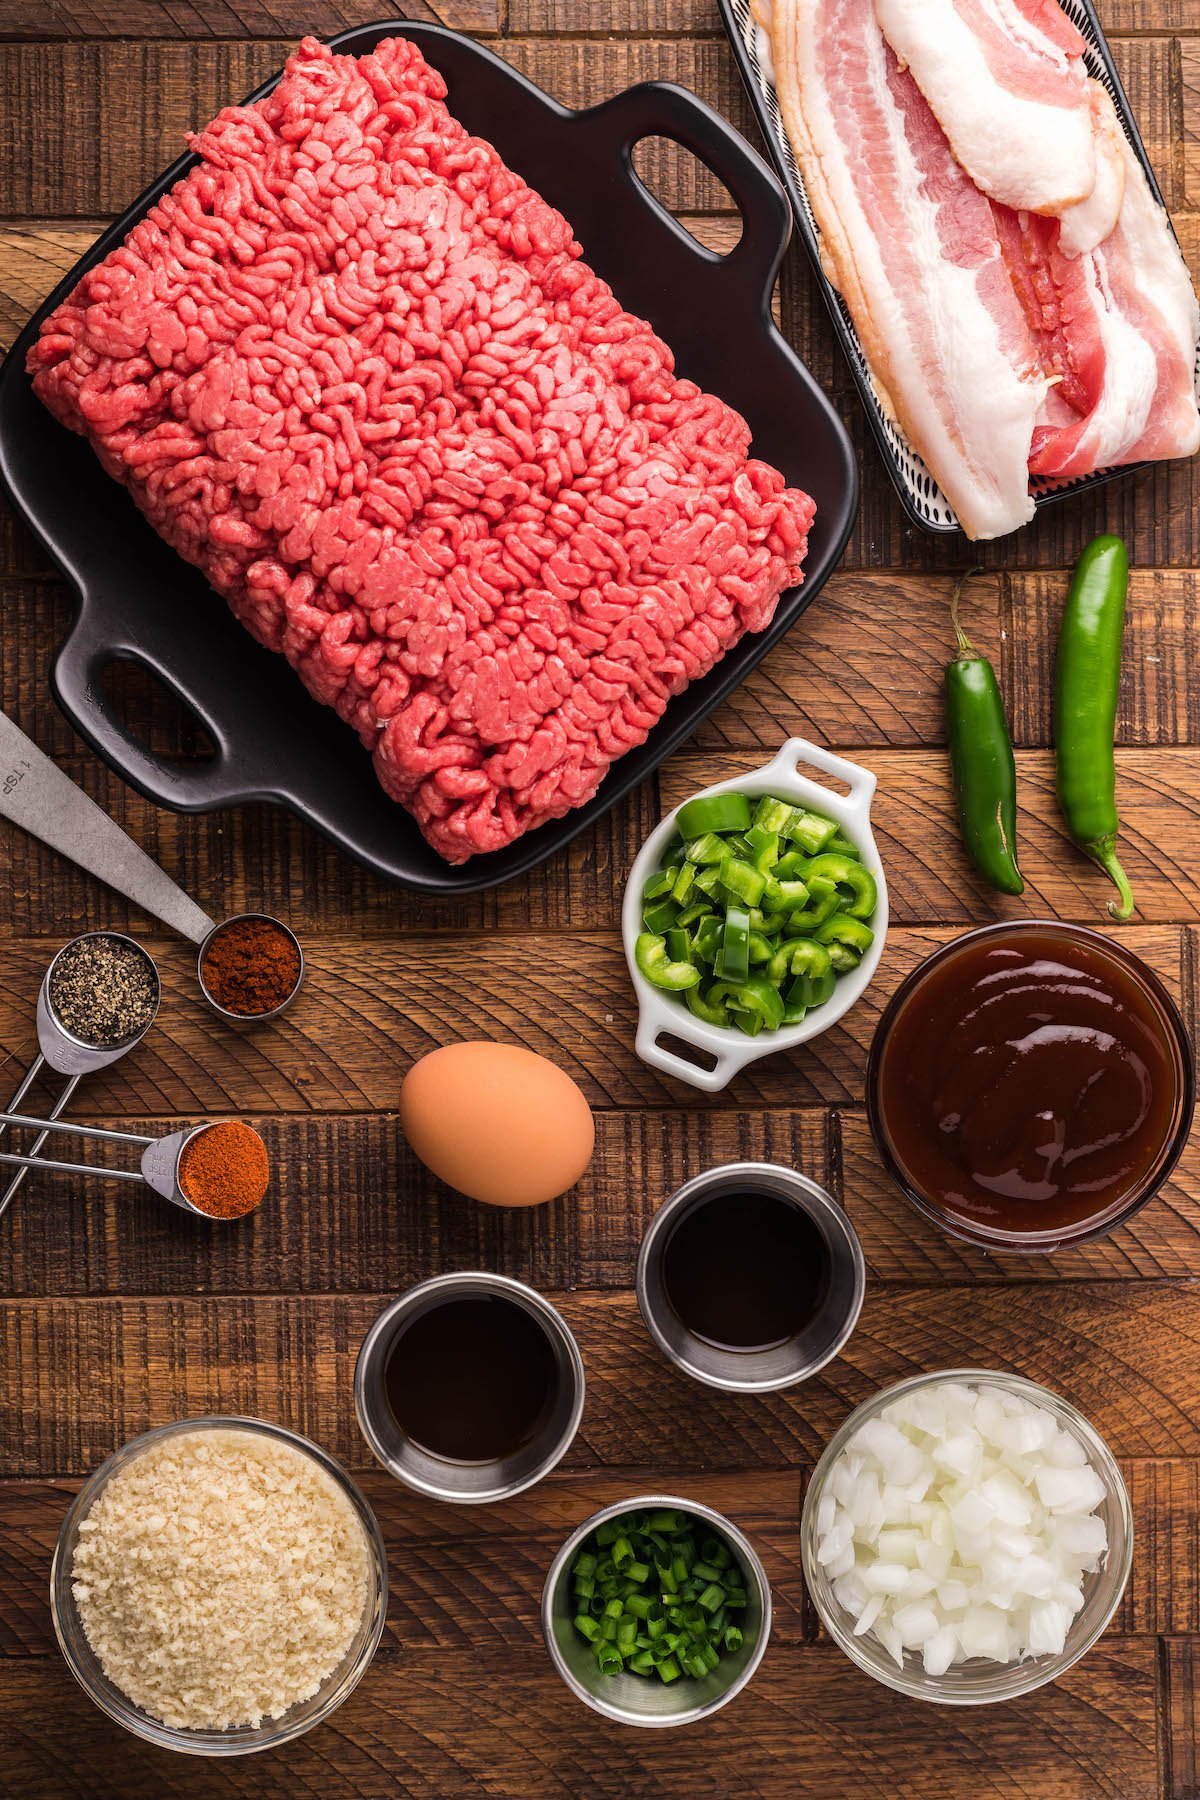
{"points": [[1087, 676], [981, 757]]}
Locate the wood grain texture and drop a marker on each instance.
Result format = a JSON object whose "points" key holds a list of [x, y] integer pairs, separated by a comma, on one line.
{"points": [[689, 18], [458, 1575], [352, 1209], [1179, 1706], [231, 861], [871, 653], [226, 19], [118, 1313], [913, 816], [111, 115], [440, 1726], [899, 1245], [463, 1576], [361, 1019], [77, 1381]]}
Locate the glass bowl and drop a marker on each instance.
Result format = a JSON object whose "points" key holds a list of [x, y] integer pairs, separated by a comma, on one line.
{"points": [[978, 1682], [243, 1739], [1093, 1225]]}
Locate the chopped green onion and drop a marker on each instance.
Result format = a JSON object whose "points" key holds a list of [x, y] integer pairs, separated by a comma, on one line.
{"points": [[652, 1597]]}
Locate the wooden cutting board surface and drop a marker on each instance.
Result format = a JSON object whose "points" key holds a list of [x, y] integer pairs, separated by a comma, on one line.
{"points": [[114, 1317]]}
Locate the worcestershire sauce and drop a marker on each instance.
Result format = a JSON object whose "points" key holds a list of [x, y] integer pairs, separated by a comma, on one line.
{"points": [[745, 1271], [1029, 1081], [472, 1379]]}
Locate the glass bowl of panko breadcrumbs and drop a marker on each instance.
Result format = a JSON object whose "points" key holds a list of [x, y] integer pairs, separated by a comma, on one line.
{"points": [[219, 1586]]}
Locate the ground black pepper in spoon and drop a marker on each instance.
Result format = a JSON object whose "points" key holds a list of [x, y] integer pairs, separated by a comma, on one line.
{"points": [[103, 990]]}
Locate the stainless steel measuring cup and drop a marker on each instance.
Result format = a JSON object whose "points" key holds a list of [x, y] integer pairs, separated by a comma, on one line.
{"points": [[158, 1166], [66, 1054]]}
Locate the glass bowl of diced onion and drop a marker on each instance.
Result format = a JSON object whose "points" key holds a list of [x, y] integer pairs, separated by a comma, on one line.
{"points": [[1079, 1480]]}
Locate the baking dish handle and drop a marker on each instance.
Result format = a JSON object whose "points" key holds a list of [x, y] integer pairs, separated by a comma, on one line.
{"points": [[658, 1019], [661, 109], [78, 678], [860, 781]]}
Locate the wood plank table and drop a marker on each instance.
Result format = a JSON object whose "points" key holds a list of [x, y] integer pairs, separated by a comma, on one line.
{"points": [[115, 1317]]}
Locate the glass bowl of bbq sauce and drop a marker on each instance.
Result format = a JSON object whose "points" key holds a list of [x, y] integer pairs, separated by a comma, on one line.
{"points": [[1030, 1086]]}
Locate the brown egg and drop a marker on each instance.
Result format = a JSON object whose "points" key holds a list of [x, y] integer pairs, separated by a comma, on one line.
{"points": [[497, 1122]]}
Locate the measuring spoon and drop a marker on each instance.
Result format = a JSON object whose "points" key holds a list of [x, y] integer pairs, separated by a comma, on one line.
{"points": [[66, 1054], [37, 796], [159, 1165]]}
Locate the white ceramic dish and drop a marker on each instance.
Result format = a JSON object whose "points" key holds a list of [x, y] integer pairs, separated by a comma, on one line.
{"points": [[661, 1015]]}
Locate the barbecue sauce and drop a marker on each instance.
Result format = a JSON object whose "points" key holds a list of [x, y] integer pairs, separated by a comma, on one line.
{"points": [[745, 1271], [472, 1380], [1029, 1082]]}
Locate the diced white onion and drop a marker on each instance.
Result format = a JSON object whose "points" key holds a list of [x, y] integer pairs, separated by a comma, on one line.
{"points": [[961, 1523]]}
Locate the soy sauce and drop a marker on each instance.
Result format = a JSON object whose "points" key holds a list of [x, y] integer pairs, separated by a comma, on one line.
{"points": [[745, 1271], [1030, 1081], [473, 1379]]}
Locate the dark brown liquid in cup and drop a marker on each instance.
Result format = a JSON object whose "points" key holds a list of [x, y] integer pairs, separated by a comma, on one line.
{"points": [[745, 1271], [473, 1379], [1029, 1083]]}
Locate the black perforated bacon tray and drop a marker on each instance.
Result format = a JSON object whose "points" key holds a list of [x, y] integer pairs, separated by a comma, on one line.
{"points": [[273, 742]]}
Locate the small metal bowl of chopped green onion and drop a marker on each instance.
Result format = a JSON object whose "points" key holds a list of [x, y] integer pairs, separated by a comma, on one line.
{"points": [[656, 1611], [755, 916]]}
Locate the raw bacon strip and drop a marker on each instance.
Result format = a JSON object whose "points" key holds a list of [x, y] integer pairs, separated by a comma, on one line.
{"points": [[911, 245], [1007, 83], [1090, 222], [1144, 310]]}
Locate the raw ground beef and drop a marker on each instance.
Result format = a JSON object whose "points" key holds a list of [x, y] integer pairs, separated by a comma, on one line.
{"points": [[357, 371]]}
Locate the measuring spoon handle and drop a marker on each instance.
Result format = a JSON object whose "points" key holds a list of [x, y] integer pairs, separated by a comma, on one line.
{"points": [[37, 796]]}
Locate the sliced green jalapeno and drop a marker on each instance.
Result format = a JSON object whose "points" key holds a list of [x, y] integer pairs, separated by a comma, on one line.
{"points": [[650, 955], [774, 815], [784, 896], [812, 832], [757, 910], [765, 847], [660, 883], [679, 945], [864, 894], [847, 939], [660, 917], [713, 812], [823, 902], [704, 1007], [683, 883], [735, 945], [742, 882]]}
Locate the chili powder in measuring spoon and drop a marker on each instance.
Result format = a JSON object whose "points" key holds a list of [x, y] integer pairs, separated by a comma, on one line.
{"points": [[224, 1171], [251, 966]]}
